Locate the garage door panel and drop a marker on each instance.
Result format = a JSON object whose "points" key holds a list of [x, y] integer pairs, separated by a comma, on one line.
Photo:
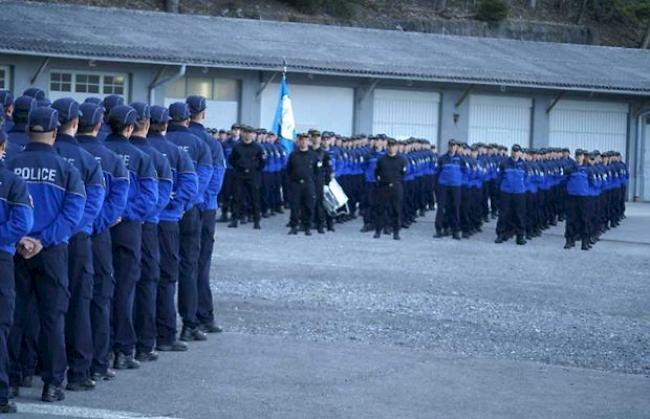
{"points": [[501, 119], [319, 107], [406, 113], [589, 125]]}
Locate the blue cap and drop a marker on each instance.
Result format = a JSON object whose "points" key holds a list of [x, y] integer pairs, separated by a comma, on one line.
{"points": [[43, 120], [112, 101], [94, 100], [197, 104], [6, 98], [24, 104], [3, 136], [35, 92], [142, 109], [68, 109], [179, 111], [159, 114], [91, 114], [123, 114]]}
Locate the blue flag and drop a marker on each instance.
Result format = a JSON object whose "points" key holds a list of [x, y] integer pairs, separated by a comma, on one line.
{"points": [[284, 124]]}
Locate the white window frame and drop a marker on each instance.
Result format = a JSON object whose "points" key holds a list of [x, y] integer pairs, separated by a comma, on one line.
{"points": [[101, 74], [7, 70]]}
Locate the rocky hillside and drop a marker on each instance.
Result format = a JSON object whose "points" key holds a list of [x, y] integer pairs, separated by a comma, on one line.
{"points": [[603, 22]]}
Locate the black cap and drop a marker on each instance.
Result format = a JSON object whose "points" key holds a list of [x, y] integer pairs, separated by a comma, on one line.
{"points": [[452, 142], [91, 114], [24, 104], [159, 114], [112, 101], [197, 104], [516, 147], [143, 110], [179, 111], [124, 115]]}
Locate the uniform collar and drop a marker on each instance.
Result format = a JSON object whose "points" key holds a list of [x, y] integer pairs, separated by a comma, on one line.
{"points": [[177, 128], [116, 137], [197, 124], [31, 146], [65, 138], [139, 140], [18, 127], [87, 139]]}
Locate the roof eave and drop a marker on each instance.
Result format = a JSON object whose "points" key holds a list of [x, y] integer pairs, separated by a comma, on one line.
{"points": [[337, 72]]}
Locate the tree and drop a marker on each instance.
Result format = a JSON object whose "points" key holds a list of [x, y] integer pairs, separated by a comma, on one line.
{"points": [[639, 11], [492, 10]]}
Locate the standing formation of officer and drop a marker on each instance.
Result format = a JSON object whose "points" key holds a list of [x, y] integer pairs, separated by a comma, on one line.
{"points": [[105, 213]]}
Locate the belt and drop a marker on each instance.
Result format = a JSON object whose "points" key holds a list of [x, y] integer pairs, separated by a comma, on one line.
{"points": [[301, 181]]}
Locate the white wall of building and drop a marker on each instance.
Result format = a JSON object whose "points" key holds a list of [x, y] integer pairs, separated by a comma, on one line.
{"points": [[500, 119], [406, 113]]}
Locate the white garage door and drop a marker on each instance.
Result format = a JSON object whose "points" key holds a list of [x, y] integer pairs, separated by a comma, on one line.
{"points": [[319, 107], [403, 113], [500, 119], [589, 125]]}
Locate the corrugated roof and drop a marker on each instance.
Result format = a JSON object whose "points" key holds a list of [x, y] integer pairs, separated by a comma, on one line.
{"points": [[154, 37]]}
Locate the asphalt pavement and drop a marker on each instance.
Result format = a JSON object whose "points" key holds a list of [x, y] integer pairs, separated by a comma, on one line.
{"points": [[345, 326]]}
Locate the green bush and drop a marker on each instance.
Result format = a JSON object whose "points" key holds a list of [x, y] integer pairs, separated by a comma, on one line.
{"points": [[492, 10], [337, 8], [305, 6]]}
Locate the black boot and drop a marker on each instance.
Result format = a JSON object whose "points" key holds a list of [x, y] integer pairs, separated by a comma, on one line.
{"points": [[569, 244], [499, 239], [455, 235], [223, 218], [125, 362], [52, 393], [293, 231], [520, 240], [585, 244], [7, 408], [176, 346], [256, 225], [377, 234], [86, 385], [307, 232], [147, 356], [438, 234], [233, 224], [396, 236], [189, 335]]}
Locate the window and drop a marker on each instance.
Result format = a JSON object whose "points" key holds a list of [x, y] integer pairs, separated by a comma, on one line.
{"points": [[4, 77], [87, 83], [221, 90], [81, 84], [61, 82], [113, 85]]}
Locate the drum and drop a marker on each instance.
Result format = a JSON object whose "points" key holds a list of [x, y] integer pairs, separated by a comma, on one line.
{"points": [[334, 199]]}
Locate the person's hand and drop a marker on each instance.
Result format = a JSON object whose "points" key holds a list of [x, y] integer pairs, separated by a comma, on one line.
{"points": [[28, 247]]}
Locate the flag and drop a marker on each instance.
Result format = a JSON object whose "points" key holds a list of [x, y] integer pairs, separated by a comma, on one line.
{"points": [[284, 123]]}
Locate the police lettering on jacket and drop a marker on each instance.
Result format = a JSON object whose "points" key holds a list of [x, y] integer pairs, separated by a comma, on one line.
{"points": [[56, 189]]}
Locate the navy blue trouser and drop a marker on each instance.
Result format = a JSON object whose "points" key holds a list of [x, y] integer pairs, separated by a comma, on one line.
{"points": [[205, 311], [127, 242], [145, 292], [46, 277], [100, 307], [190, 244], [78, 329], [169, 240], [7, 303]]}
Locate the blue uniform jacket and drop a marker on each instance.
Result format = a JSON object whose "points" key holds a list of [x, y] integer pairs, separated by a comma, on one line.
{"points": [[512, 174], [91, 175], [16, 212], [57, 191], [163, 173], [200, 155], [143, 183], [449, 173], [186, 183], [218, 165], [116, 182], [18, 135]]}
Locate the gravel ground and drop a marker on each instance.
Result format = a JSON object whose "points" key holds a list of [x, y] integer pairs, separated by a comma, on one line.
{"points": [[471, 298]]}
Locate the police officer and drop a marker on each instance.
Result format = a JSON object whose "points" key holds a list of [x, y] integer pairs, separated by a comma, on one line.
{"points": [[449, 192], [322, 177], [208, 213], [512, 214], [247, 160], [16, 220], [18, 133], [42, 267], [108, 104], [7, 103], [78, 330], [126, 235], [147, 286], [578, 209], [185, 188], [116, 181], [190, 225], [302, 169], [226, 194], [390, 172]]}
